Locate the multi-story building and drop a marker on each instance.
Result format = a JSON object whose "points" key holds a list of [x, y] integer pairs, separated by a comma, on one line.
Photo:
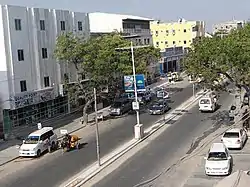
{"points": [[224, 28], [176, 34], [134, 28], [174, 39], [30, 77]]}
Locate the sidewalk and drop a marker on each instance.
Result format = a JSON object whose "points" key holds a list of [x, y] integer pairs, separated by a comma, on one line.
{"points": [[71, 122]]}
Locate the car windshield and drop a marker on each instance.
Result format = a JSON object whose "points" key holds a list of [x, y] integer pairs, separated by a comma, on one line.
{"points": [[231, 135], [217, 156], [156, 106], [31, 140], [116, 104], [205, 101]]}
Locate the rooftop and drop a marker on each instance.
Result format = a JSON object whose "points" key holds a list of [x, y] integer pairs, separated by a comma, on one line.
{"points": [[217, 147], [41, 131]]}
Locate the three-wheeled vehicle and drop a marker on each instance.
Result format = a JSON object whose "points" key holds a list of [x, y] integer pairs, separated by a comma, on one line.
{"points": [[69, 142]]}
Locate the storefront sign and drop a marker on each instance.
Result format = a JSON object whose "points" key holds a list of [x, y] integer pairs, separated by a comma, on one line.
{"points": [[129, 83], [29, 98]]}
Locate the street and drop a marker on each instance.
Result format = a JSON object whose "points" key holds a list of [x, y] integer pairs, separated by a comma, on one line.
{"points": [[167, 148], [52, 169]]}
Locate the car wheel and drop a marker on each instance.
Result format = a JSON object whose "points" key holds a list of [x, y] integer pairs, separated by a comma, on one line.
{"points": [[38, 153]]}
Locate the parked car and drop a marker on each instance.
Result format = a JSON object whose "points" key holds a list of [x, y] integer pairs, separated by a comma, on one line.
{"points": [[218, 160], [144, 97], [159, 107], [120, 107], [234, 138], [38, 142]]}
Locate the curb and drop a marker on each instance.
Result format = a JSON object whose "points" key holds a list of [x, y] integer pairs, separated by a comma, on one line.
{"points": [[77, 182]]}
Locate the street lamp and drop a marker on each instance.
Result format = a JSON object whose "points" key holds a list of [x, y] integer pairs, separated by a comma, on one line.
{"points": [[138, 128]]}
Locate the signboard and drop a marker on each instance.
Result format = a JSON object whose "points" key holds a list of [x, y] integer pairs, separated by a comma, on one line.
{"points": [[39, 126], [135, 105], [129, 83], [63, 131]]}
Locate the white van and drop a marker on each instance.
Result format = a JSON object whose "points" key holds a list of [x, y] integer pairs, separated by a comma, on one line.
{"points": [[218, 160], [38, 142], [208, 103]]}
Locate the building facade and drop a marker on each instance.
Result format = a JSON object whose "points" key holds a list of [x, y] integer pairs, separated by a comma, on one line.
{"points": [[134, 28], [176, 34], [224, 28], [30, 77], [171, 59]]}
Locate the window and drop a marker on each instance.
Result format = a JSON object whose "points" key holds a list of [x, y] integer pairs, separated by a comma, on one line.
{"points": [[44, 53], [20, 55], [166, 42], [18, 25], [156, 33], [46, 81], [145, 41], [148, 40], [23, 86], [167, 32], [185, 30], [157, 44], [173, 42], [42, 25], [63, 25], [173, 31], [79, 25], [185, 42]]}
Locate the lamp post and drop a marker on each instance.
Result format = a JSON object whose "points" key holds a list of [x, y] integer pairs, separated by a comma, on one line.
{"points": [[138, 128], [97, 131], [135, 87]]}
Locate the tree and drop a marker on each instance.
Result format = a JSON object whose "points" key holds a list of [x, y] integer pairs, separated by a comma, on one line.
{"points": [[98, 60], [228, 56]]}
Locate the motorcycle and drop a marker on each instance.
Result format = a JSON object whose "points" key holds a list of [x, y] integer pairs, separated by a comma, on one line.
{"points": [[69, 142]]}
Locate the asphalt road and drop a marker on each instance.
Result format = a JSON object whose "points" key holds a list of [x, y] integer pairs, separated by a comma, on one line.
{"points": [[173, 143], [62, 167]]}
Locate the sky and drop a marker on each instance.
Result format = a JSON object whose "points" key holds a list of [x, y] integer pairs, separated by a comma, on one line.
{"points": [[212, 11]]}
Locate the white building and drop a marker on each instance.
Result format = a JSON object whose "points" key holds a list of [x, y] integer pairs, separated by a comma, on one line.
{"points": [[225, 27], [132, 27], [29, 74]]}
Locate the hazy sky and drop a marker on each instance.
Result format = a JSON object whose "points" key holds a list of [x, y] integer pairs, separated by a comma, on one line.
{"points": [[211, 11]]}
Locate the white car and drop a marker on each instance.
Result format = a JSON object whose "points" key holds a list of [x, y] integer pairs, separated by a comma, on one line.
{"points": [[38, 142], [162, 95], [234, 138], [218, 160]]}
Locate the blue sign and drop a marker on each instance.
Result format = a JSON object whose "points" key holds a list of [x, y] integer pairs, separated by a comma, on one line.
{"points": [[129, 83]]}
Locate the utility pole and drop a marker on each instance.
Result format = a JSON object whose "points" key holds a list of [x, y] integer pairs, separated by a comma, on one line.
{"points": [[97, 131], [193, 89], [135, 87]]}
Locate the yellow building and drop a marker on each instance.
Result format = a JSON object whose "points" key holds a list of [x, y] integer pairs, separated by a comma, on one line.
{"points": [[176, 34]]}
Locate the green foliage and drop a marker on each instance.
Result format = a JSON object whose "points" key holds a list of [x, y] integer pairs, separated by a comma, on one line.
{"points": [[228, 55], [99, 60]]}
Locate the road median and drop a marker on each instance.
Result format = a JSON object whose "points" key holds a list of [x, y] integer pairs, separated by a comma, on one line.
{"points": [[89, 173]]}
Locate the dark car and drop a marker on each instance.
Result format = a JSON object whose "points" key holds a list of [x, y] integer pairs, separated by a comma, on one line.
{"points": [[159, 107], [144, 97], [120, 107]]}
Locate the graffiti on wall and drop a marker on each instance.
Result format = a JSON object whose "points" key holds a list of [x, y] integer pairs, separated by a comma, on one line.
{"points": [[30, 98]]}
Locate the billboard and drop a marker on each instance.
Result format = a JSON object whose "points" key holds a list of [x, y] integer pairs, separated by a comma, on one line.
{"points": [[129, 83]]}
